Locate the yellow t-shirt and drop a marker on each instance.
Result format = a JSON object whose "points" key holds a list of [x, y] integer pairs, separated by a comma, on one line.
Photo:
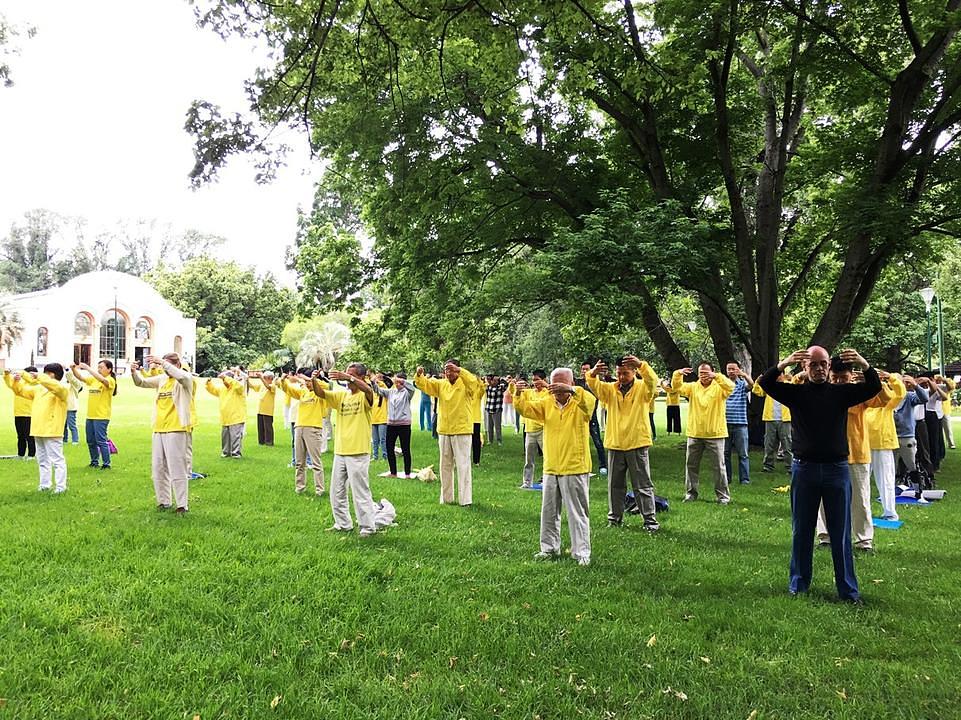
{"points": [[455, 401], [378, 415], [99, 397], [268, 399], [310, 408], [673, 397], [167, 419], [628, 425], [233, 404], [567, 448], [706, 415], [352, 431]]}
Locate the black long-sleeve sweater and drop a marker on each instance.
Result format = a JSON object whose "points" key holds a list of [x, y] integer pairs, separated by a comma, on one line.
{"points": [[819, 412]]}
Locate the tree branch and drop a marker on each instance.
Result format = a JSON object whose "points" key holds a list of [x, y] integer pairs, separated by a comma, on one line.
{"points": [[909, 26]]}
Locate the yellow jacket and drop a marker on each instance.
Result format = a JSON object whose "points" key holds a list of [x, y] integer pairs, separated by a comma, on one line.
{"points": [[268, 400], [882, 435], [946, 405], [567, 448], [49, 411], [768, 414], [233, 404], [706, 415], [628, 425], [529, 424], [378, 414], [859, 445], [657, 391], [456, 402], [22, 404], [673, 397]]}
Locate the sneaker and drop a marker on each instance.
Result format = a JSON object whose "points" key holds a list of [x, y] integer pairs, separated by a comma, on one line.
{"points": [[59, 491], [43, 489], [690, 497], [546, 555], [583, 561], [366, 532], [525, 486], [94, 465], [864, 549], [603, 471], [181, 511], [856, 602], [767, 469], [104, 467], [652, 528], [337, 528], [824, 545], [163, 508], [723, 501], [614, 523], [745, 482]]}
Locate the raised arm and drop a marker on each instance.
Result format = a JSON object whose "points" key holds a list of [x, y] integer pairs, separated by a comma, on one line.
{"points": [[154, 381], [57, 388]]}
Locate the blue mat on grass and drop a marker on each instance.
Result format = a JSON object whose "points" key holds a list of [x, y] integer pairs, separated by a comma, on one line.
{"points": [[887, 524], [910, 500], [537, 486]]}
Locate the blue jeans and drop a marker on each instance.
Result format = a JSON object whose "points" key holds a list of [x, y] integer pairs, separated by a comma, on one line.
{"points": [[425, 414], [737, 441], [71, 425], [378, 440], [97, 442], [811, 484]]}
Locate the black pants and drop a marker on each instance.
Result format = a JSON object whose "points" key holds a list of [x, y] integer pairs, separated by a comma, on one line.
{"points": [[598, 443], [653, 429], [923, 457], [673, 419], [265, 429], [935, 438], [475, 444], [25, 440], [402, 433]]}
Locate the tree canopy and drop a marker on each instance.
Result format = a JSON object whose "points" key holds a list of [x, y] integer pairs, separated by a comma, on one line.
{"points": [[768, 159]]}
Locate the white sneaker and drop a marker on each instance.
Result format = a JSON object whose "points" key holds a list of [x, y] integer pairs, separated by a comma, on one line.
{"points": [[584, 561], [546, 555], [59, 491], [603, 471], [364, 532]]}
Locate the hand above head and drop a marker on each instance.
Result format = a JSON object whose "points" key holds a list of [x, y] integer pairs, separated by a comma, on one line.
{"points": [[420, 370], [561, 388], [599, 369], [883, 374], [796, 357], [520, 385], [685, 371], [631, 361], [706, 374], [539, 384], [338, 375], [852, 356]]}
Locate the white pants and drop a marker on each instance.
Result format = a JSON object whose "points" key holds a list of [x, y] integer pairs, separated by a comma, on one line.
{"points": [[455, 450], [351, 470], [883, 469], [50, 456], [861, 526], [571, 493], [171, 461]]}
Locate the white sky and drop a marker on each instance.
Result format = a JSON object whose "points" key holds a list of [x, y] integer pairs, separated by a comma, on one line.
{"points": [[93, 126]]}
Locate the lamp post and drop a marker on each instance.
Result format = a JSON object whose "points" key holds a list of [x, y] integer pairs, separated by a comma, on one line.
{"points": [[116, 331], [941, 362], [927, 294]]}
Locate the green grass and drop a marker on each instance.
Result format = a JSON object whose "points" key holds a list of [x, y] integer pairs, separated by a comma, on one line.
{"points": [[109, 609]]}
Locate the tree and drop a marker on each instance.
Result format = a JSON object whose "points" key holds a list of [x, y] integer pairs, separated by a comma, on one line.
{"points": [[764, 141], [8, 47], [11, 329], [239, 315], [321, 348]]}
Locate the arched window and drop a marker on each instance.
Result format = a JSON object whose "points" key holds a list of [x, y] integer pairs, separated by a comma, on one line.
{"points": [[113, 335], [42, 342], [142, 331], [83, 324], [178, 344]]}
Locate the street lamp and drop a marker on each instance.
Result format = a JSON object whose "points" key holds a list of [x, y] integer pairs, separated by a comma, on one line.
{"points": [[927, 294], [116, 331]]}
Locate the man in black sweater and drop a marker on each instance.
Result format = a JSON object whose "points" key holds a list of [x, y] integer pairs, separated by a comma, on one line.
{"points": [[819, 416]]}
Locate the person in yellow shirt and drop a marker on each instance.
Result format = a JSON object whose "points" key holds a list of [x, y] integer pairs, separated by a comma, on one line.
{"points": [[352, 435], [22, 407], [74, 388], [229, 389], [533, 430], [777, 428], [628, 436], [883, 439], [47, 417], [174, 418], [950, 387], [308, 429], [706, 426], [859, 461], [673, 408], [456, 395], [101, 387], [653, 408], [263, 383], [378, 426], [566, 416]]}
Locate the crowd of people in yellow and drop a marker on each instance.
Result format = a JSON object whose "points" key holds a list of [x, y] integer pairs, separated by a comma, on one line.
{"points": [[836, 422]]}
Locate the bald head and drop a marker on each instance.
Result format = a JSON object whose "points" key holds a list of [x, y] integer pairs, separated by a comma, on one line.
{"points": [[817, 364]]}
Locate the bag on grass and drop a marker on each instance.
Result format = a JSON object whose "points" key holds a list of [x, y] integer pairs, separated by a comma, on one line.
{"points": [[113, 448], [384, 514]]}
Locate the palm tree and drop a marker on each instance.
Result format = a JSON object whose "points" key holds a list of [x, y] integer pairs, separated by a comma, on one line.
{"points": [[11, 329], [321, 348]]}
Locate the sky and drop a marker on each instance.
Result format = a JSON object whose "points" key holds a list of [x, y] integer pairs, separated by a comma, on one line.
{"points": [[93, 126]]}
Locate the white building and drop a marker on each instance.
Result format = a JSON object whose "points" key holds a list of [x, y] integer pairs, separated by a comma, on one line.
{"points": [[104, 314]]}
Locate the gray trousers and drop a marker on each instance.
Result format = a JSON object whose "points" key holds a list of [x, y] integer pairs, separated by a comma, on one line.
{"points": [[777, 433], [308, 442], [635, 463], [714, 449], [170, 466], [493, 420], [907, 449], [351, 470], [569, 492], [948, 431], [231, 440], [532, 443]]}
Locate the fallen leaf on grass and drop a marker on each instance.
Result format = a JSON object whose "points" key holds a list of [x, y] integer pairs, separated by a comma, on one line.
{"points": [[196, 717], [275, 702], [676, 693], [652, 641], [484, 616], [753, 715], [842, 694], [452, 661], [3, 702], [877, 581], [782, 489], [706, 660]]}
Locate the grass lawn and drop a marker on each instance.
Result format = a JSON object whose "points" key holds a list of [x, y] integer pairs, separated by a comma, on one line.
{"points": [[246, 608]]}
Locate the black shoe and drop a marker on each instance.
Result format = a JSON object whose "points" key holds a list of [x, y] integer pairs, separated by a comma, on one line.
{"points": [[104, 467], [163, 508], [94, 465], [857, 602]]}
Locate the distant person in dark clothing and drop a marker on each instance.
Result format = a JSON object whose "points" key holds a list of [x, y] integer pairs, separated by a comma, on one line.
{"points": [[820, 473]]}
